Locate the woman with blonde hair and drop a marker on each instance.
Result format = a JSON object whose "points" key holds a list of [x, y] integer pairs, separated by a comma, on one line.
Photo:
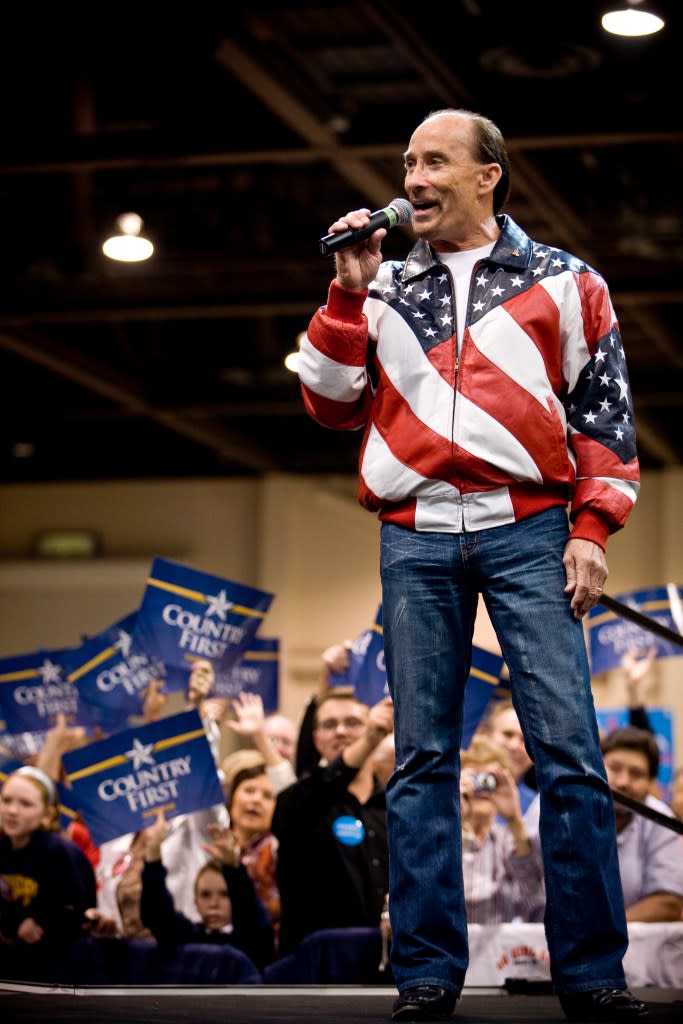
{"points": [[502, 873]]}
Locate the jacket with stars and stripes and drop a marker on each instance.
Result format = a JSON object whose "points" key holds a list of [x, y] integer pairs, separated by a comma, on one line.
{"points": [[534, 411]]}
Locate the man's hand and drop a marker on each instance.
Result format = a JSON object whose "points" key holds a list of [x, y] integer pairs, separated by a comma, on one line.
{"points": [[358, 265], [380, 721], [586, 568]]}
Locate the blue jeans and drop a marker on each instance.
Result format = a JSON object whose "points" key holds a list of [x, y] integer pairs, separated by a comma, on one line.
{"points": [[430, 588]]}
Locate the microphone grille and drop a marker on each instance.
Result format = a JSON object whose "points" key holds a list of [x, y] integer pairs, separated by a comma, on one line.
{"points": [[402, 209]]}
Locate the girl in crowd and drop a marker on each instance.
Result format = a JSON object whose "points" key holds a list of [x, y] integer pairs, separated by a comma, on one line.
{"points": [[46, 881]]}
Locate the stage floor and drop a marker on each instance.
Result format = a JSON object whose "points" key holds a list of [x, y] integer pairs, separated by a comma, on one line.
{"points": [[32, 1004]]}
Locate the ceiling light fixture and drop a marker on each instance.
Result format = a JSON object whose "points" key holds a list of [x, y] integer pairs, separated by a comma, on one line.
{"points": [[129, 246], [629, 21]]}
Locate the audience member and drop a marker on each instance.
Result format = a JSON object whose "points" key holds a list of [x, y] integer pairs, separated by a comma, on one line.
{"points": [[59, 739], [183, 855], [502, 872], [251, 802], [335, 661], [501, 724], [229, 910], [128, 890], [283, 734], [332, 863], [183, 851], [650, 855], [46, 881], [251, 722]]}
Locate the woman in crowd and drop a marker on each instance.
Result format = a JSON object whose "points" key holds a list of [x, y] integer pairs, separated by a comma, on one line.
{"points": [[251, 802], [502, 873]]}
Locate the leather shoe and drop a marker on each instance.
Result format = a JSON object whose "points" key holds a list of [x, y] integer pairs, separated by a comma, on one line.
{"points": [[602, 1004], [424, 1002]]}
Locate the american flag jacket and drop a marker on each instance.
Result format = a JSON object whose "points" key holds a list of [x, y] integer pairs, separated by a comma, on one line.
{"points": [[535, 411]]}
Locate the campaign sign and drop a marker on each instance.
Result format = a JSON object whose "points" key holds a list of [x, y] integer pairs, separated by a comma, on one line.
{"points": [[257, 671], [661, 723], [7, 766], [611, 636], [186, 614], [24, 745], [121, 783], [367, 671], [111, 675], [34, 689]]}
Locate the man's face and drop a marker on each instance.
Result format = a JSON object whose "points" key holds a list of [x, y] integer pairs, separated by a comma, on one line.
{"points": [[507, 733], [338, 724], [442, 179], [283, 735], [628, 772]]}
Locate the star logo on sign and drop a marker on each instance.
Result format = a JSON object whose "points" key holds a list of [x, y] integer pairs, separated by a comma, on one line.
{"points": [[218, 605], [123, 643], [50, 672], [141, 753]]}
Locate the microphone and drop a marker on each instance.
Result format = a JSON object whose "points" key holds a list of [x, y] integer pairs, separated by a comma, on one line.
{"points": [[399, 211]]}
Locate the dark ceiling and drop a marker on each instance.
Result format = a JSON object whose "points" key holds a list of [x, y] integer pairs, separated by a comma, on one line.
{"points": [[239, 132]]}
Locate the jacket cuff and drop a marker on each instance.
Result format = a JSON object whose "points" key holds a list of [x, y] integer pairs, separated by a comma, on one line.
{"points": [[346, 305], [589, 526]]}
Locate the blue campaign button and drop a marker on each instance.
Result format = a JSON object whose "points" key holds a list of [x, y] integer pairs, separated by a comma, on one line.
{"points": [[349, 831]]}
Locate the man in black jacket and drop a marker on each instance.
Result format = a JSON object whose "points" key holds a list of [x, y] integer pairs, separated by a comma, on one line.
{"points": [[332, 868]]}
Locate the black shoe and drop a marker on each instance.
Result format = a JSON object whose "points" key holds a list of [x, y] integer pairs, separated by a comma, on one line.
{"points": [[610, 1004], [424, 1002]]}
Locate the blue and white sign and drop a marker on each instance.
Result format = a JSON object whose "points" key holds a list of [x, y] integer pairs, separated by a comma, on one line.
{"points": [[121, 783], [367, 671], [34, 689], [112, 675], [257, 671], [187, 614], [611, 635]]}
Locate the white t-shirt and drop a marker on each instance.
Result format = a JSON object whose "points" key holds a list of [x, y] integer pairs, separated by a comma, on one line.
{"points": [[460, 265]]}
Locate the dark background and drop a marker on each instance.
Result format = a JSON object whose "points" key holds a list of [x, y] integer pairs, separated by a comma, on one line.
{"points": [[239, 132]]}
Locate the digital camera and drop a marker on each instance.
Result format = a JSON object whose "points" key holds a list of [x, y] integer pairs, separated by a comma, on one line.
{"points": [[484, 782]]}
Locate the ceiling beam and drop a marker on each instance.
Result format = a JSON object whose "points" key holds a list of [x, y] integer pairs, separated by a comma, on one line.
{"points": [[101, 380]]}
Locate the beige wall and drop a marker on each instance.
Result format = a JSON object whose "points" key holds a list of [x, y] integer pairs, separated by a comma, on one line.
{"points": [[304, 539]]}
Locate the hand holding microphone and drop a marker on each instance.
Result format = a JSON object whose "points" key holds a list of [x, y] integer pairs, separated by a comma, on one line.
{"points": [[399, 211]]}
